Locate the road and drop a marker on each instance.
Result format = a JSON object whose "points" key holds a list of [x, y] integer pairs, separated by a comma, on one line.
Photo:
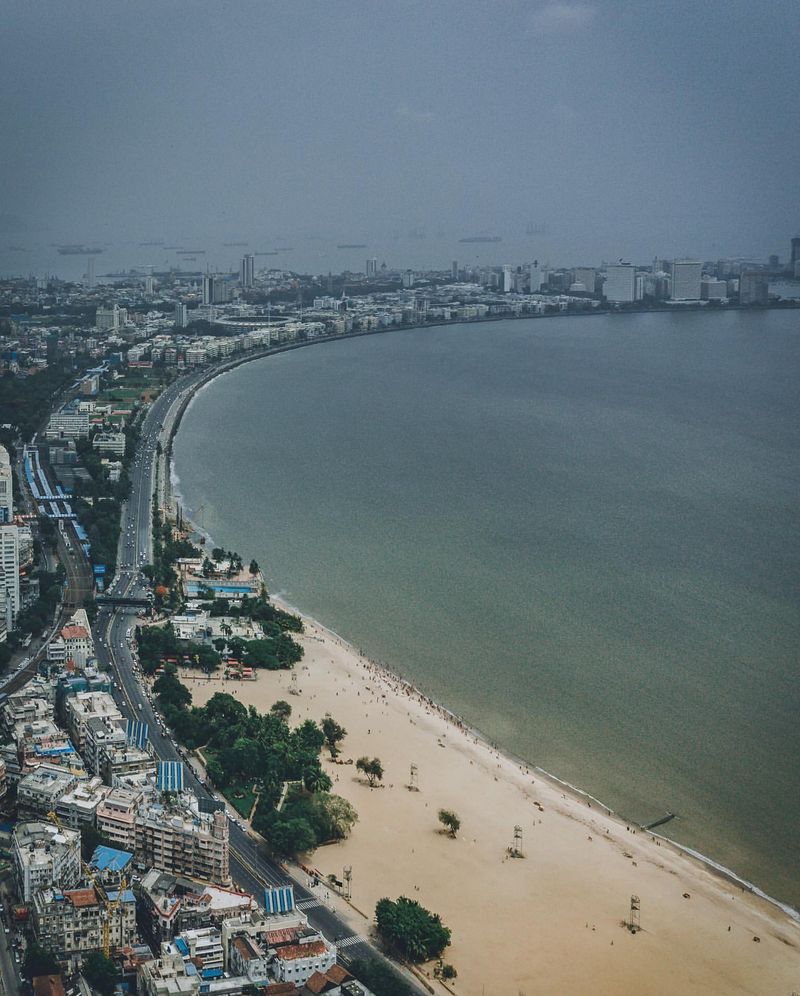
{"points": [[251, 867]]}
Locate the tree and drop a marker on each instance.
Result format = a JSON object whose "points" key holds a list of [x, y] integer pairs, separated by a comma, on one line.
{"points": [[290, 837], [316, 780], [334, 733], [380, 978], [39, 961], [372, 768], [100, 972], [410, 929], [282, 709], [334, 817], [254, 567], [449, 821]]}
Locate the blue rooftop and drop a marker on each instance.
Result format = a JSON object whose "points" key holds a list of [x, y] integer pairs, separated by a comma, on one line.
{"points": [[110, 859]]}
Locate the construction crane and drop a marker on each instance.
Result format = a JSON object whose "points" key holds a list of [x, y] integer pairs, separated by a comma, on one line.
{"points": [[111, 905]]}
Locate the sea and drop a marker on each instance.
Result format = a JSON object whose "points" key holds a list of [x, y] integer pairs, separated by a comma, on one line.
{"points": [[580, 534]]}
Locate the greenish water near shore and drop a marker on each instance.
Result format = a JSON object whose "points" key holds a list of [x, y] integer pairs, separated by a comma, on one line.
{"points": [[581, 535]]}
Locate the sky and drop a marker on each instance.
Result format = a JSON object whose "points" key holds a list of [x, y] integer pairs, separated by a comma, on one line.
{"points": [[618, 129]]}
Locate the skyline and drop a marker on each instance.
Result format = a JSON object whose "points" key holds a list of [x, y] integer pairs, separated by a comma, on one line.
{"points": [[615, 129]]}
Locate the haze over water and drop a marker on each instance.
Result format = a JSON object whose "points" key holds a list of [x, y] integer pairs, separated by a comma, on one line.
{"points": [[578, 533]]}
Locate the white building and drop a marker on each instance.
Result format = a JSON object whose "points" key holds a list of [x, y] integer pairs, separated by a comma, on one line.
{"points": [[69, 423], [6, 487], [45, 857], [247, 270], [39, 791], [585, 275], [181, 315], [620, 285], [109, 442], [9, 571], [686, 277], [82, 707], [372, 267]]}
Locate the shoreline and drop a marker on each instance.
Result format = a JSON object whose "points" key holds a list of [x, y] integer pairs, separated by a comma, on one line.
{"points": [[171, 479], [558, 916]]}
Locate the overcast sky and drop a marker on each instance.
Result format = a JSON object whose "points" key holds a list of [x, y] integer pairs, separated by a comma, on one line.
{"points": [[626, 128]]}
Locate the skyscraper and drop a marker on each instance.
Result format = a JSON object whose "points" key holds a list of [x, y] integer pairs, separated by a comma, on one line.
{"points": [[795, 256], [247, 271], [754, 287], [9, 566], [372, 267], [6, 487], [686, 277], [208, 289], [181, 317], [454, 272], [620, 285]]}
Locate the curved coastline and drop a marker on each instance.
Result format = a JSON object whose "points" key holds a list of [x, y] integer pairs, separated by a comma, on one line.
{"points": [[180, 408]]}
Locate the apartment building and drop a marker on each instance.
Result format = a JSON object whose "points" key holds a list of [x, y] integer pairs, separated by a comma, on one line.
{"points": [[70, 922], [176, 837], [83, 707], [40, 790], [44, 857]]}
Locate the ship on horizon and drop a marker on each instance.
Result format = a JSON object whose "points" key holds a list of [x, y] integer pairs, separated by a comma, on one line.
{"points": [[229, 245], [352, 245], [161, 243], [190, 252], [481, 238], [78, 250]]}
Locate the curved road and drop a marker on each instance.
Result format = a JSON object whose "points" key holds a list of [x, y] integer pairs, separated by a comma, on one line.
{"points": [[251, 868]]}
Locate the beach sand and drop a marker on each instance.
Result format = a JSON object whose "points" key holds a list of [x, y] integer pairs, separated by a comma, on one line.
{"points": [[551, 922]]}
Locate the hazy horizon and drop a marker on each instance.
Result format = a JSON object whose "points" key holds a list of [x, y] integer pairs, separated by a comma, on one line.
{"points": [[617, 130]]}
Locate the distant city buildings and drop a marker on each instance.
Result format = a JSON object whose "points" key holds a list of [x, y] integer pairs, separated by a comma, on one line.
{"points": [[753, 287], [181, 315], [372, 268], [686, 277], [620, 285], [6, 487], [247, 271]]}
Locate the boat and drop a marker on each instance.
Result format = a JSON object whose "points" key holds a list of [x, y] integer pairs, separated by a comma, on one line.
{"points": [[481, 238], [228, 245], [352, 245], [78, 251]]}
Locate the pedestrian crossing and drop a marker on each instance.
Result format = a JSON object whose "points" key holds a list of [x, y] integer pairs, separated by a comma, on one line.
{"points": [[350, 942], [308, 904]]}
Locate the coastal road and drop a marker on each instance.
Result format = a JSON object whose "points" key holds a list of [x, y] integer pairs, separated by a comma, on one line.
{"points": [[251, 867]]}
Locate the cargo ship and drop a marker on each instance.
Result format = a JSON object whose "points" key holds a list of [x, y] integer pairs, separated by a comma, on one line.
{"points": [[77, 250]]}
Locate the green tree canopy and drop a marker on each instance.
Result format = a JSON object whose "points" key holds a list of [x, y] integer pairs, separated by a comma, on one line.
{"points": [[409, 929], [333, 732], [372, 768], [100, 972], [449, 821]]}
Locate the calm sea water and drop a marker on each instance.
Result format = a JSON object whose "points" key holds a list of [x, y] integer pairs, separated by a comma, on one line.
{"points": [[581, 534]]}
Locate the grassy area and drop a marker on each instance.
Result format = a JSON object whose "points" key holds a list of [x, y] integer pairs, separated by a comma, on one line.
{"points": [[241, 797]]}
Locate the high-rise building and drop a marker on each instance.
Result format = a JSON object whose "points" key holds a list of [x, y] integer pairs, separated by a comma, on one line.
{"points": [[408, 279], [181, 315], [754, 287], [247, 270], [506, 280], [454, 271], [585, 275], [372, 267], [208, 289], [795, 254], [6, 487], [686, 277], [620, 285], [149, 284], [538, 278], [9, 566]]}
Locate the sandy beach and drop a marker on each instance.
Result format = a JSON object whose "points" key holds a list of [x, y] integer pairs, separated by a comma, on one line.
{"points": [[552, 921]]}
